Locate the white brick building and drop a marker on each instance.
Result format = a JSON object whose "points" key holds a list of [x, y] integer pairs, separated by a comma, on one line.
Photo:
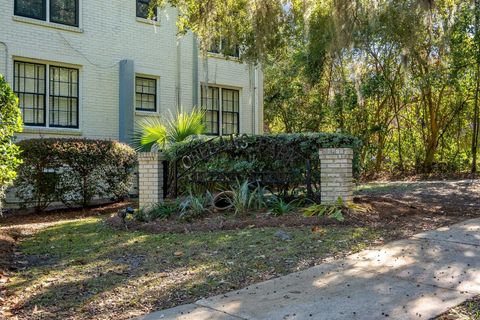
{"points": [[91, 68]]}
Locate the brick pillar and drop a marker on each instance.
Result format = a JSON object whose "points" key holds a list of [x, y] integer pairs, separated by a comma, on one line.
{"points": [[336, 174], [150, 178]]}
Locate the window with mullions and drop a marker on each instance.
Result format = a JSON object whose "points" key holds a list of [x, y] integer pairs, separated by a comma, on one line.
{"points": [[145, 94], [63, 99], [61, 103], [60, 11], [143, 9], [211, 106], [230, 111], [221, 106], [29, 86]]}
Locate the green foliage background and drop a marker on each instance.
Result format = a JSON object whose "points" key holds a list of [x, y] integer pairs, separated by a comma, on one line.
{"points": [[403, 76]]}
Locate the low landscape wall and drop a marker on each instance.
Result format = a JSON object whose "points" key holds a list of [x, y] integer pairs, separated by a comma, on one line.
{"points": [[336, 176]]}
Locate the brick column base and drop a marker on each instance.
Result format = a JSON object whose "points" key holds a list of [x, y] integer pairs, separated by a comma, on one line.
{"points": [[150, 178], [336, 174]]}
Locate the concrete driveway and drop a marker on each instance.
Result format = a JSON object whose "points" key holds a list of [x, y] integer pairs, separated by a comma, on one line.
{"points": [[416, 278]]}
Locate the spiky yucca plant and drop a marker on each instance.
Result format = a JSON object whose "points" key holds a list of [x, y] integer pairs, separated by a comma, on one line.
{"points": [[163, 133]]}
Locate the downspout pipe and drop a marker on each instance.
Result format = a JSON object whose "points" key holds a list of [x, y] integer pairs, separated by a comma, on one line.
{"points": [[6, 59], [195, 73], [179, 93], [253, 96]]}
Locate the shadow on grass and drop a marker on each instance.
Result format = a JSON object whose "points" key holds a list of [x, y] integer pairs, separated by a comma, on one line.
{"points": [[95, 270], [407, 279]]}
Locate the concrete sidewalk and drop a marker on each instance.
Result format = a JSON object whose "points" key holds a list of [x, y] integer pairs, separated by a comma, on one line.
{"points": [[416, 278]]}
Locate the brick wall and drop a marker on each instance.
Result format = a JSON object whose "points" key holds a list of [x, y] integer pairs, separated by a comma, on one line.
{"points": [[150, 174], [336, 174], [106, 35], [335, 164]]}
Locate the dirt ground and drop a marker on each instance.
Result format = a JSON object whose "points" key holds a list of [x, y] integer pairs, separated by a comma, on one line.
{"points": [[396, 210]]}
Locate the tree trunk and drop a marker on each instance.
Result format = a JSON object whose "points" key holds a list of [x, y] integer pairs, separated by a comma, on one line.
{"points": [[476, 111], [476, 122]]}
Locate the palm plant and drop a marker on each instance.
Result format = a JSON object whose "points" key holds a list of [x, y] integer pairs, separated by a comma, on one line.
{"points": [[185, 125], [152, 132]]}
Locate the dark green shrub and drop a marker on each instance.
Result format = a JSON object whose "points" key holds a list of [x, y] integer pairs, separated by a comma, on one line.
{"points": [[10, 122], [73, 171]]}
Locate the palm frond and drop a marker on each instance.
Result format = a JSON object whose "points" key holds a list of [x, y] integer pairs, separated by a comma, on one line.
{"points": [[150, 131], [165, 132], [185, 125]]}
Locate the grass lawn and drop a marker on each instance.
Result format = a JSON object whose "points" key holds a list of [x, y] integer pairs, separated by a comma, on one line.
{"points": [[469, 310], [86, 270]]}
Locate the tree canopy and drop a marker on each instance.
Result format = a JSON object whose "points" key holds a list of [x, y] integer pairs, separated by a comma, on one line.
{"points": [[404, 76]]}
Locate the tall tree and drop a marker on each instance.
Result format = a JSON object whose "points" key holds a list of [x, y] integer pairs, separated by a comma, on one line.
{"points": [[476, 108]]}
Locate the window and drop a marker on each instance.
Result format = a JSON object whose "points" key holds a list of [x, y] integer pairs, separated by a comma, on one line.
{"points": [[60, 106], [143, 9], [35, 9], [230, 111], [223, 47], [29, 85], [221, 105], [64, 12], [60, 11], [63, 101], [146, 94], [211, 105]]}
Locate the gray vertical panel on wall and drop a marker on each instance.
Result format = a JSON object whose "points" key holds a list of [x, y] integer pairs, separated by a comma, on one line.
{"points": [[127, 100]]}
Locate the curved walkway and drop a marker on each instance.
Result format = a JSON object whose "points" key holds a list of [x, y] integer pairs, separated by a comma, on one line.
{"points": [[416, 278]]}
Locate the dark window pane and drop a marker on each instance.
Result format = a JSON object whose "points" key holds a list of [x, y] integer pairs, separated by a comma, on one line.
{"points": [[230, 111], [146, 94], [210, 101], [63, 99], [222, 46], [64, 12], [230, 49], [29, 86], [143, 9], [35, 9]]}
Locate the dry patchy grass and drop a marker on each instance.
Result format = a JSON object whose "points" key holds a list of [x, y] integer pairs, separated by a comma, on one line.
{"points": [[83, 269]]}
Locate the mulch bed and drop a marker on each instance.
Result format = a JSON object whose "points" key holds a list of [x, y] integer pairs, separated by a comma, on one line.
{"points": [[7, 245], [402, 217]]}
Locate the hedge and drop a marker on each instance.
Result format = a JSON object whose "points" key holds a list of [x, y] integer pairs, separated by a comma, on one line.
{"points": [[306, 142], [245, 155], [73, 171]]}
